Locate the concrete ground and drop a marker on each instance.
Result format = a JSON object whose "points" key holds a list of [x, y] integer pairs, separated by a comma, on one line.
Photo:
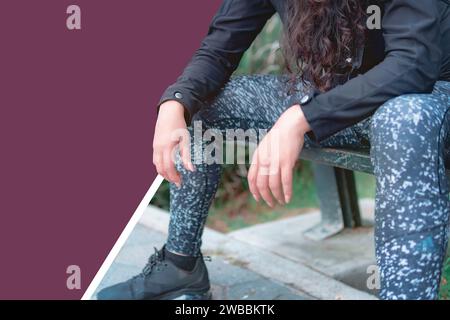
{"points": [[229, 281], [269, 261]]}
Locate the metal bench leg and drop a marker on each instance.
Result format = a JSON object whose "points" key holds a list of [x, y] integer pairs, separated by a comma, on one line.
{"points": [[349, 198], [338, 201], [332, 221]]}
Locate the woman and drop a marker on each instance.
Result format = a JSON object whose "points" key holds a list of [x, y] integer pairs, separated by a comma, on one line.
{"points": [[355, 86]]}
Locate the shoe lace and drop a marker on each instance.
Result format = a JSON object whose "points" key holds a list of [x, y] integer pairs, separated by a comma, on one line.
{"points": [[154, 262]]}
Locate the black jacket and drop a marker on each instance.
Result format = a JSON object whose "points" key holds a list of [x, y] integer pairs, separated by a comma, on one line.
{"points": [[408, 55]]}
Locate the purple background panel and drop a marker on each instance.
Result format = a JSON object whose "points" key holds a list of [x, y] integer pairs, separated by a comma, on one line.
{"points": [[77, 110]]}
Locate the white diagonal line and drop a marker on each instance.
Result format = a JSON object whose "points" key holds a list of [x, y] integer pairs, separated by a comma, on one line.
{"points": [[123, 238]]}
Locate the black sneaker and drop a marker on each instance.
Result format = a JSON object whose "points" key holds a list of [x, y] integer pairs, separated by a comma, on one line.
{"points": [[162, 280]]}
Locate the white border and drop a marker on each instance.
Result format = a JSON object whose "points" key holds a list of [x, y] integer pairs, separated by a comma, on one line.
{"points": [[122, 239]]}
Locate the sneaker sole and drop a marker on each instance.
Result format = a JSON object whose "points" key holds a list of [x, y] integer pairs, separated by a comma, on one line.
{"points": [[187, 295], [204, 296]]}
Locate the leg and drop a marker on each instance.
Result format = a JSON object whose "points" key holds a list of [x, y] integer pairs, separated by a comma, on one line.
{"points": [[246, 102], [178, 271], [407, 139]]}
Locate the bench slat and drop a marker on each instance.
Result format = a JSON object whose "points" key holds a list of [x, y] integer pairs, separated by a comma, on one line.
{"points": [[351, 159], [355, 160]]}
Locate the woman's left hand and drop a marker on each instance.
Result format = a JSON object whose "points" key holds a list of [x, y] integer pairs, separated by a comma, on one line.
{"points": [[271, 170]]}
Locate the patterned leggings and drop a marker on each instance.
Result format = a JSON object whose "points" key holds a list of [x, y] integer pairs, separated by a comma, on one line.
{"points": [[410, 144]]}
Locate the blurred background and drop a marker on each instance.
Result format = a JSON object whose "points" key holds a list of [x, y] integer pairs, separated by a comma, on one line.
{"points": [[234, 207]]}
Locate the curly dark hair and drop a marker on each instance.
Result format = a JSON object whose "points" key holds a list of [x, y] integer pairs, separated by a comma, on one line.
{"points": [[320, 36]]}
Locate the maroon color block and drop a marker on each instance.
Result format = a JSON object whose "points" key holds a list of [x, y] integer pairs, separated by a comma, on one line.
{"points": [[77, 110]]}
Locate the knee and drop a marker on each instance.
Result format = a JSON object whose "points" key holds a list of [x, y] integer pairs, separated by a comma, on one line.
{"points": [[406, 140], [412, 118]]}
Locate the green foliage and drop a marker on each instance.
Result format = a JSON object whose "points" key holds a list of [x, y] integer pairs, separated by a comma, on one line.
{"points": [[445, 282], [365, 185], [264, 56], [162, 196]]}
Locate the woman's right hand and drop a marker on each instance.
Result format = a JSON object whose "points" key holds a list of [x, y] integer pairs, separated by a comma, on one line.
{"points": [[171, 132]]}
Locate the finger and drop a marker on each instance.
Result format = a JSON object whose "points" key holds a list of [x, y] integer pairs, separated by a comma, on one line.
{"points": [[185, 152], [169, 168], [275, 185], [158, 162], [286, 181], [262, 184], [251, 177]]}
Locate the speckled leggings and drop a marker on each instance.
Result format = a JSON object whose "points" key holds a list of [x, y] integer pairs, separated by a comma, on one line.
{"points": [[409, 142]]}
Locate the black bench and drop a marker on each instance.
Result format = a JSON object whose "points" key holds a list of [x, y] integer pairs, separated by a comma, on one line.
{"points": [[336, 188]]}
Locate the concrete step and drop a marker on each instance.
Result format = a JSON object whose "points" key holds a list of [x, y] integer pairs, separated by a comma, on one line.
{"points": [[228, 281], [277, 251], [344, 257]]}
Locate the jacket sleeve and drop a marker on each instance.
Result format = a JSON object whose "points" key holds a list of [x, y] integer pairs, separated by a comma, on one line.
{"points": [[411, 31], [231, 32]]}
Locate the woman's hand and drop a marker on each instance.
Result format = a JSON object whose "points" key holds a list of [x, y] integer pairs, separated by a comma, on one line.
{"points": [[272, 165], [171, 132]]}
